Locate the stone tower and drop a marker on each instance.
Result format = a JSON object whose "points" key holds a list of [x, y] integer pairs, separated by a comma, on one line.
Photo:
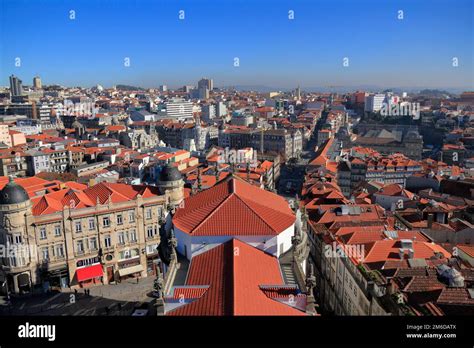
{"points": [[16, 237], [170, 182]]}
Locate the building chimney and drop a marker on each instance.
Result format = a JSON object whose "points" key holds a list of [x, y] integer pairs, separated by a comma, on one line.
{"points": [[401, 253], [430, 221]]}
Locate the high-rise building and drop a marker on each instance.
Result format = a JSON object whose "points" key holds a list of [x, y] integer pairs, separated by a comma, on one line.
{"points": [[206, 83], [37, 82], [16, 87], [180, 109], [163, 88], [208, 112], [373, 103], [187, 89], [203, 93], [221, 109], [298, 93]]}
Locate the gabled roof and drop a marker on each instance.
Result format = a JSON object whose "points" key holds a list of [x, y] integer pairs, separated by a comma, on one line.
{"points": [[455, 296], [88, 197], [387, 250], [424, 283], [234, 207], [467, 249], [235, 278], [395, 190], [321, 155], [32, 185]]}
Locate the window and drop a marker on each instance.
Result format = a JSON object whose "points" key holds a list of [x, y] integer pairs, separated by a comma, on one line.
{"points": [[80, 246], [106, 221], [160, 211], [78, 226], [133, 236], [18, 239], [149, 231], [148, 213], [59, 251], [91, 224], [131, 216], [13, 262], [127, 254], [107, 241], [152, 249], [45, 254], [119, 219], [43, 233], [121, 238], [9, 239], [57, 230], [93, 243]]}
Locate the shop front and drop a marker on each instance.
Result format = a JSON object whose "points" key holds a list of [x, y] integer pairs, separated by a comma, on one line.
{"points": [[56, 279], [89, 272], [129, 269], [152, 259], [19, 283]]}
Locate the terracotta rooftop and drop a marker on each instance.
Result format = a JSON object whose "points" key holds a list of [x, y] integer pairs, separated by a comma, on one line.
{"points": [[78, 197], [387, 250], [240, 280], [234, 207]]}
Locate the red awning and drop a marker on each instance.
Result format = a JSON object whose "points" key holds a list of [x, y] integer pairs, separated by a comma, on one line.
{"points": [[89, 272]]}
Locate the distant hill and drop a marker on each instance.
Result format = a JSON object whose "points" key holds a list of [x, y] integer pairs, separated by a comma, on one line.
{"points": [[435, 93], [129, 88], [255, 88]]}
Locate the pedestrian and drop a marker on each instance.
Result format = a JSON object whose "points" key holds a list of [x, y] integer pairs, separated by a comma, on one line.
{"points": [[75, 291], [138, 280]]}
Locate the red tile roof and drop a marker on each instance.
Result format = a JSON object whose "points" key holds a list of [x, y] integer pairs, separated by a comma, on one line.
{"points": [[235, 273], [32, 184], [81, 198], [234, 207], [455, 296], [424, 283], [395, 190], [467, 249], [321, 155], [386, 250]]}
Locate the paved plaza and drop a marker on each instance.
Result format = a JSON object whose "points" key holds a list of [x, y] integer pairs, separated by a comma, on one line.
{"points": [[112, 299]]}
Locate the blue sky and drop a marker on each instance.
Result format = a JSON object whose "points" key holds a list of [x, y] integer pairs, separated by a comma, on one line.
{"points": [[273, 50]]}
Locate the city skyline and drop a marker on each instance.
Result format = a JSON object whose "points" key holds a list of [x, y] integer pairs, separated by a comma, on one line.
{"points": [[201, 160], [272, 50]]}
